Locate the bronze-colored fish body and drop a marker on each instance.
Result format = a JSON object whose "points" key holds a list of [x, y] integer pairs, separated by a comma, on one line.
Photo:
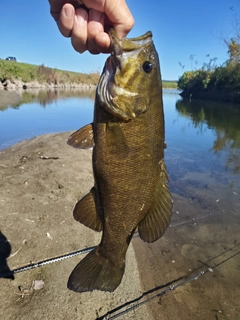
{"points": [[130, 188]]}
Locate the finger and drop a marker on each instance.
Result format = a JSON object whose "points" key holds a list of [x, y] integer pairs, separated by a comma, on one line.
{"points": [[66, 20], [56, 6], [103, 42], [117, 12], [79, 31], [120, 16], [95, 26]]}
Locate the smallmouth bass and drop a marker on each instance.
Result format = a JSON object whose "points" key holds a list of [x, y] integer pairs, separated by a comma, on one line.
{"points": [[130, 178]]}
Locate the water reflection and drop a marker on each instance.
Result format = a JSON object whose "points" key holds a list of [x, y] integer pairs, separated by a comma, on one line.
{"points": [[45, 97], [224, 119], [203, 156], [45, 111]]}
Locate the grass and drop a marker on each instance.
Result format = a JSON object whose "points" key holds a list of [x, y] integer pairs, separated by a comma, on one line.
{"points": [[28, 72], [169, 84]]}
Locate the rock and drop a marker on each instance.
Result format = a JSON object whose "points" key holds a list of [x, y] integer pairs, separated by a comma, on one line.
{"points": [[18, 83], [9, 85]]}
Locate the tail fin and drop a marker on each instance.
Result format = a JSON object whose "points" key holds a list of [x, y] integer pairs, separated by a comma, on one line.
{"points": [[95, 272]]}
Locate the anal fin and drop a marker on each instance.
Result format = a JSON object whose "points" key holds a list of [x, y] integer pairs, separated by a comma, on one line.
{"points": [[82, 138], [86, 212], [158, 218]]}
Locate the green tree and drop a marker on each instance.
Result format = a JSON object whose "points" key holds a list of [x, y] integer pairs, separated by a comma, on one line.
{"points": [[234, 43]]}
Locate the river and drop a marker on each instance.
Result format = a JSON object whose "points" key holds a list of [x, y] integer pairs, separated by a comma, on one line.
{"points": [[203, 162]]}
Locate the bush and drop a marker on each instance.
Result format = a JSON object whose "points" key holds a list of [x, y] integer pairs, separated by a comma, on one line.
{"points": [[227, 77], [195, 80]]}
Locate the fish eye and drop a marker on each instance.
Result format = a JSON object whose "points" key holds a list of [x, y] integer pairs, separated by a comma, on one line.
{"points": [[147, 66]]}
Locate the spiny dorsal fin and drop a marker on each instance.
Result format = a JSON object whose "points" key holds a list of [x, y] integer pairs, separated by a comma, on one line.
{"points": [[155, 223], [82, 138], [85, 212]]}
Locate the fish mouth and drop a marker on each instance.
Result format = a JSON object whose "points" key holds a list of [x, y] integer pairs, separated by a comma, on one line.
{"points": [[122, 50], [127, 45]]}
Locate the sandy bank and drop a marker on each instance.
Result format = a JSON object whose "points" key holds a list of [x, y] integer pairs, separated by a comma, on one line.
{"points": [[40, 182], [37, 198]]}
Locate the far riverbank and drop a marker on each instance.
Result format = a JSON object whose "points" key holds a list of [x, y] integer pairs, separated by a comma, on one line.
{"points": [[17, 75], [19, 84], [213, 95]]}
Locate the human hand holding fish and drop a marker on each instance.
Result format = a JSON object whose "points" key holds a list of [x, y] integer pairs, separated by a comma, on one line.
{"points": [[88, 21], [127, 135]]}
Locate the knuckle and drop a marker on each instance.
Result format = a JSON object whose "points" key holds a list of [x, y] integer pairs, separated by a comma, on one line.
{"points": [[130, 22]]}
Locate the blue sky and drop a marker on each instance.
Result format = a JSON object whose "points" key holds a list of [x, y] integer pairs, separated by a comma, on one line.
{"points": [[180, 29]]}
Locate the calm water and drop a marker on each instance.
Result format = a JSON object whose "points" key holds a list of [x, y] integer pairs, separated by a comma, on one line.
{"points": [[42, 112], [203, 138], [203, 162]]}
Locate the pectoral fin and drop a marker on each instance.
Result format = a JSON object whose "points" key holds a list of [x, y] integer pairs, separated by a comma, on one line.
{"points": [[155, 223], [82, 138], [86, 212]]}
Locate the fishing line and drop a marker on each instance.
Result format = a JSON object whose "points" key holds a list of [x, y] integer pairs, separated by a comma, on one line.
{"points": [[172, 287], [107, 315], [159, 295], [175, 223]]}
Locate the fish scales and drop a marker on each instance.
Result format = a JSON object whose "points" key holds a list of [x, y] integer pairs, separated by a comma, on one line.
{"points": [[130, 179]]}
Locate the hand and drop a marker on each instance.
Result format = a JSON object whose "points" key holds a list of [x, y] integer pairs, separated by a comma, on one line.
{"points": [[88, 21]]}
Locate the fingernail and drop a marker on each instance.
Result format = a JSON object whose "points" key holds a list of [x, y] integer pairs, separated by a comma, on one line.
{"points": [[68, 12], [81, 16]]}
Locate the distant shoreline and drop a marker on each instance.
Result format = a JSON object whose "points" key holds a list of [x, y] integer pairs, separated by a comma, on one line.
{"points": [[19, 84], [15, 75], [212, 95]]}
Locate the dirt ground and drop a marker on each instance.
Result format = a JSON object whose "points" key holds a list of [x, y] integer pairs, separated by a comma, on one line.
{"points": [[40, 182]]}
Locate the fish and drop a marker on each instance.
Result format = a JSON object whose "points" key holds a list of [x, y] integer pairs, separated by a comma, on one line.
{"points": [[130, 189]]}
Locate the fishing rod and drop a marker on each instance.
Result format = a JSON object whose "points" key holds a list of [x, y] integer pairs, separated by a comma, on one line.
{"points": [[81, 251], [45, 262], [173, 285]]}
